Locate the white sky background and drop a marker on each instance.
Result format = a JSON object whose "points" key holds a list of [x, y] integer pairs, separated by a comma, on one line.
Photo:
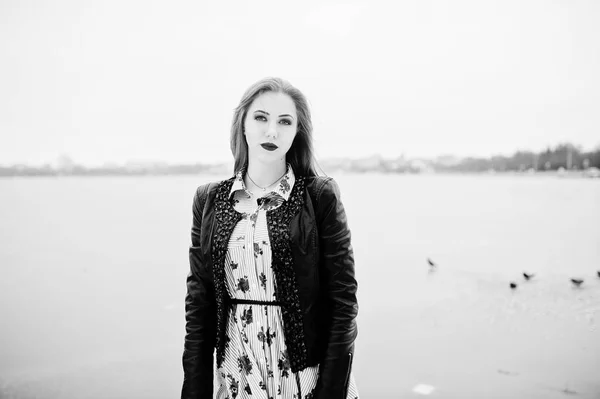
{"points": [[112, 81]]}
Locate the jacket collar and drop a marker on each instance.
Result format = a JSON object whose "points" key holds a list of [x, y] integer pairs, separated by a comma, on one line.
{"points": [[283, 189]]}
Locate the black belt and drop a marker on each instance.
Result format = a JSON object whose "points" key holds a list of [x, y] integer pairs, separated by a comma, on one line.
{"points": [[252, 302]]}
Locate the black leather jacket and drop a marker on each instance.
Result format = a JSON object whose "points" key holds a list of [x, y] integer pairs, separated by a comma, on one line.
{"points": [[313, 263]]}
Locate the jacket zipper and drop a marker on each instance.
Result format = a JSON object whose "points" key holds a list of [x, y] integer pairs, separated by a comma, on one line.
{"points": [[348, 375]]}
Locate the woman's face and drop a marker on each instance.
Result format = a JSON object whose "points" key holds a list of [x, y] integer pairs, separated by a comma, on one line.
{"points": [[270, 126]]}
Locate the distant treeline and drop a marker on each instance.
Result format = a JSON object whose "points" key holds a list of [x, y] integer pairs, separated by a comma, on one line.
{"points": [[78, 170], [566, 156]]}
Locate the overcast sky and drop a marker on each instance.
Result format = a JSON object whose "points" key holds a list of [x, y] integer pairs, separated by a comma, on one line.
{"points": [[117, 80]]}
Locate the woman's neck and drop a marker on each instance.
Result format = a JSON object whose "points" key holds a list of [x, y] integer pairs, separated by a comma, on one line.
{"points": [[264, 175]]}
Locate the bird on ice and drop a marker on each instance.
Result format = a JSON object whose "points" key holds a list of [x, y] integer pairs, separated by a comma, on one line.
{"points": [[432, 266], [513, 285], [528, 276], [577, 281]]}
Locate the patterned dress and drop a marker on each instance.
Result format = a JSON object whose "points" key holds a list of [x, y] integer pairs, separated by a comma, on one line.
{"points": [[256, 363]]}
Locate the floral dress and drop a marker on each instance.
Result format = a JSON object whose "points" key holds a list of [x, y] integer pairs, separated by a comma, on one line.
{"points": [[256, 363]]}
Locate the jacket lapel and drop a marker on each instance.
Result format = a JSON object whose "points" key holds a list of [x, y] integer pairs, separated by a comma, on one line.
{"points": [[278, 222], [226, 217]]}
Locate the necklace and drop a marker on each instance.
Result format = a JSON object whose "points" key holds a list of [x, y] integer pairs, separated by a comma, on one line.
{"points": [[265, 188]]}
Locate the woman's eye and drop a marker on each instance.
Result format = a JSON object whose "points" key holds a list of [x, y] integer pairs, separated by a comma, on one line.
{"points": [[260, 118], [286, 121]]}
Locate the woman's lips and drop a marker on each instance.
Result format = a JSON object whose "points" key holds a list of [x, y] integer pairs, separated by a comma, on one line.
{"points": [[269, 146]]}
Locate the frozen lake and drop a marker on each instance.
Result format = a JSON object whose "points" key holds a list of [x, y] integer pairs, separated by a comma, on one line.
{"points": [[92, 285]]}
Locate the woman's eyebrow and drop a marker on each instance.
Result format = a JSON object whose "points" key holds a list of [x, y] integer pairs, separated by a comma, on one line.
{"points": [[265, 112]]}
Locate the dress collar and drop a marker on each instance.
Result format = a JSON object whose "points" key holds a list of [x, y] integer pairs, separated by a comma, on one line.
{"points": [[283, 189]]}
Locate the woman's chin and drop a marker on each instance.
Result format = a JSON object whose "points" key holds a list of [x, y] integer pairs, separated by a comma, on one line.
{"points": [[271, 158]]}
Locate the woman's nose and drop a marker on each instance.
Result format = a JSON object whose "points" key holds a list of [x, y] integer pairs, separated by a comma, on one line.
{"points": [[272, 129]]}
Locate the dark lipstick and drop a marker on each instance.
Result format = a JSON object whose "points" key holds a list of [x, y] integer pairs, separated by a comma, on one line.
{"points": [[269, 146]]}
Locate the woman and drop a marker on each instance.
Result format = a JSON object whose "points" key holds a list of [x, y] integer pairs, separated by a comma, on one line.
{"points": [[271, 284]]}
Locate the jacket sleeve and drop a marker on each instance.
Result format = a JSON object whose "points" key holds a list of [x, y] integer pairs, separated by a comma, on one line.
{"points": [[200, 315], [337, 263]]}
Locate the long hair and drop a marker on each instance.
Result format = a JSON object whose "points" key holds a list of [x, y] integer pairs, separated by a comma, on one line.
{"points": [[300, 155]]}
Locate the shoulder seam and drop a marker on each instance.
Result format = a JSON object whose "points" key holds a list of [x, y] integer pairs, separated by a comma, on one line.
{"points": [[322, 186], [202, 194]]}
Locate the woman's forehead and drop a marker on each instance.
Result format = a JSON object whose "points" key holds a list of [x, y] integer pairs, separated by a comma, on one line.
{"points": [[274, 101]]}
